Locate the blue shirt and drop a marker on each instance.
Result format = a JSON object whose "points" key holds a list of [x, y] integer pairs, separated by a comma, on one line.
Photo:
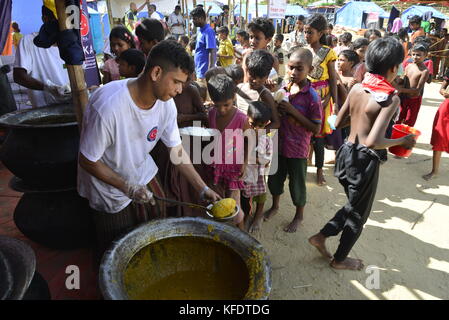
{"points": [[205, 40]]}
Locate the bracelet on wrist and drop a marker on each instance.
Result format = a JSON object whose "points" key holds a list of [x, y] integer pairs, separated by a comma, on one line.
{"points": [[203, 192]]}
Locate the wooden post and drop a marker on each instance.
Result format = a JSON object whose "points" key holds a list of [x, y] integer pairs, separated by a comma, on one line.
{"points": [[241, 24], [187, 17], [257, 9], [246, 13], [76, 73], [111, 18], [229, 16]]}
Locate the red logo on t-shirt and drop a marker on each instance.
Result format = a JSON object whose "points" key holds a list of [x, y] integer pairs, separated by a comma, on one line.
{"points": [[152, 135]]}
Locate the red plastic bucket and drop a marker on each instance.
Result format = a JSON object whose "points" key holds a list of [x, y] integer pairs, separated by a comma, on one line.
{"points": [[399, 131]]}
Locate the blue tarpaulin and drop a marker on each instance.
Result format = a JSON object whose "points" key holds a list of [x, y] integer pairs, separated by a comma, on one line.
{"points": [[352, 14], [99, 26], [419, 11], [27, 14]]}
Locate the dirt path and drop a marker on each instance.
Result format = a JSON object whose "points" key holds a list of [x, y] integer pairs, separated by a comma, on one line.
{"points": [[406, 236]]}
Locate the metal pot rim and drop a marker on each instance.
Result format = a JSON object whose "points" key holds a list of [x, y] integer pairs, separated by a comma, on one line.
{"points": [[22, 260], [4, 118], [259, 273]]}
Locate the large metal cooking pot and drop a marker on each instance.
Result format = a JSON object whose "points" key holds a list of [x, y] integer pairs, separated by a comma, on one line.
{"points": [[117, 260], [42, 145]]}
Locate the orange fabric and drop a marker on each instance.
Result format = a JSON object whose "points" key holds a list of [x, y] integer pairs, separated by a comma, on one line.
{"points": [[420, 32], [7, 51]]}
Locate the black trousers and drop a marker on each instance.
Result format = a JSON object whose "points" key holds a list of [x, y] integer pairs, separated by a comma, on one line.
{"points": [[318, 148], [357, 169]]}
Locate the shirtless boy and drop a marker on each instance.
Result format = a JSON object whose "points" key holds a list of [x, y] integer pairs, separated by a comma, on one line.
{"points": [[368, 110], [416, 75]]}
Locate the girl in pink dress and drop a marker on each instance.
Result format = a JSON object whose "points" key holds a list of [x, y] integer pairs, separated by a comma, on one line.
{"points": [[120, 40], [230, 153]]}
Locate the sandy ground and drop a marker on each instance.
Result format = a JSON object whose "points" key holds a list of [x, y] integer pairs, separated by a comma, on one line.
{"points": [[406, 236]]}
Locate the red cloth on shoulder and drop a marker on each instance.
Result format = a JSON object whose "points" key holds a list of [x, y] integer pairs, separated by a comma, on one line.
{"points": [[378, 86]]}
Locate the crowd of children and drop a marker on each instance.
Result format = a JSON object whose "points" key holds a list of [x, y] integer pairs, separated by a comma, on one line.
{"points": [[295, 95]]}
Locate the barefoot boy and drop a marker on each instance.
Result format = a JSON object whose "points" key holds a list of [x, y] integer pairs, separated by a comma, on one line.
{"points": [[416, 75], [301, 119], [368, 110]]}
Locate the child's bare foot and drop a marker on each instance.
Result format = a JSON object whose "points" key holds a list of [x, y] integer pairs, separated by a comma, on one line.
{"points": [[270, 213], [293, 226], [348, 264], [429, 176], [255, 226], [319, 242], [320, 178]]}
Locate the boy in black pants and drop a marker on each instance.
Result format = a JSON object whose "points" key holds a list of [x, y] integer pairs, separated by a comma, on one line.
{"points": [[368, 110]]}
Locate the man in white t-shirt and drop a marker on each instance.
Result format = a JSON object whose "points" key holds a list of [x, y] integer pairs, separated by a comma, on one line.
{"points": [[123, 122], [42, 72], [176, 23]]}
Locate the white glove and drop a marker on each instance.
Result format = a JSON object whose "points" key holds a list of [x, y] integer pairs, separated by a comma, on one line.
{"points": [[139, 193], [59, 92]]}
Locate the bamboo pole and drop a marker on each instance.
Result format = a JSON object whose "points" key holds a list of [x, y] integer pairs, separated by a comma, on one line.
{"points": [[229, 16], [111, 18], [240, 18], [76, 73], [257, 9], [246, 13]]}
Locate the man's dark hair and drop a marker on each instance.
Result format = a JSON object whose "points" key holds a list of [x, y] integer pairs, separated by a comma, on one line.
{"points": [[301, 18], [359, 43], [402, 33], [346, 38], [383, 54], [213, 72], [225, 7], [279, 37], [170, 37], [259, 63], [198, 12], [134, 57], [263, 25], [221, 88], [259, 112], [352, 56], [150, 29], [370, 32], [330, 26], [243, 34], [420, 46], [224, 30], [177, 8], [15, 26], [235, 72], [168, 55], [153, 6], [415, 20], [423, 39], [184, 39], [329, 40]]}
